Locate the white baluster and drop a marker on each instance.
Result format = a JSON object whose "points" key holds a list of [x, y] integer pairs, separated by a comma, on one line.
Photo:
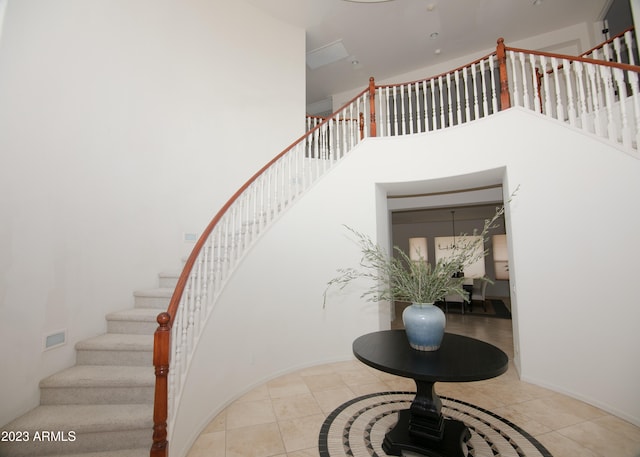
{"points": [[387, 99], [494, 93], [514, 84], [476, 106], [571, 104], [458, 103], [555, 68], [635, 97], [403, 115], [434, 122], [622, 95], [629, 42], [485, 106], [465, 80], [396, 114], [449, 101], [523, 72], [410, 106], [616, 47], [442, 107], [534, 83], [594, 98], [609, 94], [548, 105], [582, 120], [425, 106]]}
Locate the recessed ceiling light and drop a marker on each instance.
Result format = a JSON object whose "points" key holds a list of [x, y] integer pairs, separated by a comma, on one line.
{"points": [[434, 35]]}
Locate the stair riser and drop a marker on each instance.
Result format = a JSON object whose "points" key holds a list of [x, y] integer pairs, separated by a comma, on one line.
{"points": [[131, 395], [161, 303], [122, 358], [132, 327], [169, 282], [84, 442]]}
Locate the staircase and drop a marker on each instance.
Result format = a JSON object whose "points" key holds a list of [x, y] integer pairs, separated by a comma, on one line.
{"points": [[102, 406]]}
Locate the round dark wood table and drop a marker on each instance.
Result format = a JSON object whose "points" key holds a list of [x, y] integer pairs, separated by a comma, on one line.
{"points": [[422, 428]]}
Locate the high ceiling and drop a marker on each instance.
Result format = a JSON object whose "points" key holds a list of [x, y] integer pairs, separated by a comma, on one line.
{"points": [[387, 38]]}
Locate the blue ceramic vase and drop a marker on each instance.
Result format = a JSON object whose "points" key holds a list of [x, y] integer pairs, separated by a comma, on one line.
{"points": [[424, 324]]}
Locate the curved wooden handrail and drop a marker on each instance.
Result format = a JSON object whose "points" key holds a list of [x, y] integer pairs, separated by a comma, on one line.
{"points": [[460, 68], [606, 63], [162, 336], [609, 41]]}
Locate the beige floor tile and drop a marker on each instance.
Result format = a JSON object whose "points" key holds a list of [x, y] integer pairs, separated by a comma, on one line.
{"points": [[287, 386], [218, 424], [209, 445], [318, 370], [621, 428], [248, 413], [523, 421], [282, 418], [288, 408], [358, 377], [364, 389], [312, 452], [331, 399], [259, 393], [600, 440], [301, 433], [560, 446], [548, 412], [256, 441], [317, 383]]}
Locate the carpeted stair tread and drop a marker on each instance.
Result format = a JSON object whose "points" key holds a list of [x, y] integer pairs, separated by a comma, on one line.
{"points": [[86, 418], [100, 376], [169, 279], [135, 314], [117, 342], [153, 298], [142, 452], [163, 292]]}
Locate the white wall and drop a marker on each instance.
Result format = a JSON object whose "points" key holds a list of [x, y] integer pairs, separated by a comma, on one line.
{"points": [[575, 326], [122, 125]]}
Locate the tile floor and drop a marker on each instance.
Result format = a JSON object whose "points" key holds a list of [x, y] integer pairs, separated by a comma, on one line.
{"points": [[282, 418]]}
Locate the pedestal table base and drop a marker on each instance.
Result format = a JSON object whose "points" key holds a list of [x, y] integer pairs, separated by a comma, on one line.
{"points": [[450, 445]]}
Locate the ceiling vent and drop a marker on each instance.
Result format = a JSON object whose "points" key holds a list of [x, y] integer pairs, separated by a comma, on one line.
{"points": [[327, 54]]}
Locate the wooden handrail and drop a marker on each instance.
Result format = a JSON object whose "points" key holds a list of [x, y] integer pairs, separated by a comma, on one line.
{"points": [[372, 107], [161, 338], [505, 99], [162, 335], [609, 41], [460, 68], [606, 63]]}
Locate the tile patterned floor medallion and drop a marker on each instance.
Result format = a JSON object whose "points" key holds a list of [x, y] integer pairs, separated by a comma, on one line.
{"points": [[357, 428]]}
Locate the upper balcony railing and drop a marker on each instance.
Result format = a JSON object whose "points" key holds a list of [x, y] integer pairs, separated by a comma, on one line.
{"points": [[600, 97]]}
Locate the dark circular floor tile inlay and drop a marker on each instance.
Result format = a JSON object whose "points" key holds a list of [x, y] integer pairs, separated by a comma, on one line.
{"points": [[357, 428]]}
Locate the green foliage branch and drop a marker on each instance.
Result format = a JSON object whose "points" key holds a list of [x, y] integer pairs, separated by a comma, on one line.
{"points": [[402, 279]]}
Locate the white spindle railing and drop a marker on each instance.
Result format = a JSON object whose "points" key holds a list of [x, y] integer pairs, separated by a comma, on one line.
{"points": [[241, 222], [460, 96], [620, 49], [599, 97]]}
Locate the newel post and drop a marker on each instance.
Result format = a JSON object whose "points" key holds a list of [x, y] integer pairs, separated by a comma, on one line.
{"points": [[161, 342], [372, 107], [505, 100]]}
